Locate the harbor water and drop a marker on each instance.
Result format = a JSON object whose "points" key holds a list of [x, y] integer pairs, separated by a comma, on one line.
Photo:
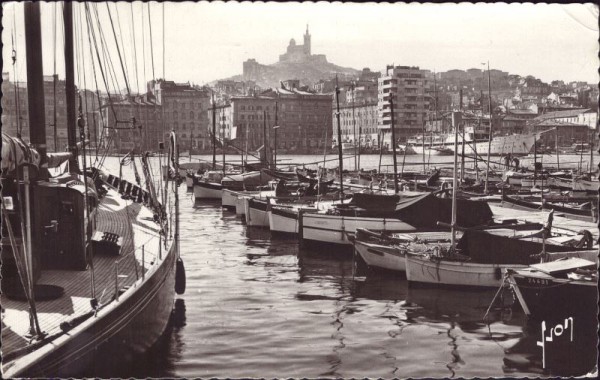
{"points": [[258, 306]]}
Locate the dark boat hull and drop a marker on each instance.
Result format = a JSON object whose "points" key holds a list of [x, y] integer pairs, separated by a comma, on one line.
{"points": [[115, 336], [554, 300]]}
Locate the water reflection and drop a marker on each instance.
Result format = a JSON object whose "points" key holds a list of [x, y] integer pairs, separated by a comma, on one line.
{"points": [[161, 359]]}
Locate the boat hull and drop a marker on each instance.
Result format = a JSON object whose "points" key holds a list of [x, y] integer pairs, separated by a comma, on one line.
{"points": [[207, 190], [382, 257], [516, 145], [229, 199], [283, 221], [240, 205], [539, 296], [421, 269], [118, 333], [256, 214], [336, 229]]}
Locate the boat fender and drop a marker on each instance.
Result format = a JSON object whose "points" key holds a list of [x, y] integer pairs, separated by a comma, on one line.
{"points": [[587, 241], [179, 276]]}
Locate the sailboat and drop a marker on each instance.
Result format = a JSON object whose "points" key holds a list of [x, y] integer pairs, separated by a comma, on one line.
{"points": [[89, 268]]}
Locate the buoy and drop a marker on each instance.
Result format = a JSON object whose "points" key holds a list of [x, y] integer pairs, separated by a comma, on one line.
{"points": [[179, 277]]}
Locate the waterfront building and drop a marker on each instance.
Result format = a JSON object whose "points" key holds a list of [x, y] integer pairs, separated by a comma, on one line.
{"points": [[567, 133], [584, 116], [133, 123], [304, 120], [409, 86], [14, 97], [364, 117], [185, 110]]}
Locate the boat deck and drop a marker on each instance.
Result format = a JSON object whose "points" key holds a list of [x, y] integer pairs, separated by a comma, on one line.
{"points": [[542, 216], [128, 219]]}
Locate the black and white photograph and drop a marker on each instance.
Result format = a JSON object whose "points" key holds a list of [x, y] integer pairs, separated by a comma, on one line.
{"points": [[291, 190]]}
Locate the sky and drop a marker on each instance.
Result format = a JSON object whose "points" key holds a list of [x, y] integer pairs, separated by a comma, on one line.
{"points": [[209, 41]]}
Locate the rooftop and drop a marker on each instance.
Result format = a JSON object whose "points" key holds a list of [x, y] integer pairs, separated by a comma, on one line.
{"points": [[566, 113]]}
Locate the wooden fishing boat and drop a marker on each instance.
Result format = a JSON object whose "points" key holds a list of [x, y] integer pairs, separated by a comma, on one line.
{"points": [[586, 183], [209, 185], [257, 212], [482, 257], [580, 212], [557, 290], [283, 213], [88, 279], [406, 213], [384, 250]]}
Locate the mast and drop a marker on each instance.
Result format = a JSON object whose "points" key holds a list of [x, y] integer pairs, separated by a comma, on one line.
{"points": [[223, 137], [487, 173], [37, 132], [556, 148], [462, 158], [214, 132], [456, 119], [70, 87], [265, 137], [394, 146], [35, 82], [354, 126], [339, 133], [275, 127], [591, 151]]}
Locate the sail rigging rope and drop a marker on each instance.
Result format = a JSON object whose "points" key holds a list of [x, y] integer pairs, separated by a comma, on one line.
{"points": [[135, 61], [118, 50], [15, 73]]}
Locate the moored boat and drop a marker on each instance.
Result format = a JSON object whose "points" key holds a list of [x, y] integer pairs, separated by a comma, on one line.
{"points": [[88, 280], [209, 186]]}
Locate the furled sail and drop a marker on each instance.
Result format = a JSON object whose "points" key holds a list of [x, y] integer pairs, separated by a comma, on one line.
{"points": [[15, 153]]}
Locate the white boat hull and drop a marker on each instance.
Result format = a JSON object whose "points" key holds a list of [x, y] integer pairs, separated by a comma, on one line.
{"points": [[240, 205], [383, 257], [421, 269], [530, 182], [335, 229], [256, 217], [501, 145], [283, 224], [207, 190], [229, 198], [442, 151]]}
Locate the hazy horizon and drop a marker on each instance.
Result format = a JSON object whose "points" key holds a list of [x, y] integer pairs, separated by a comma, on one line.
{"points": [[209, 41]]}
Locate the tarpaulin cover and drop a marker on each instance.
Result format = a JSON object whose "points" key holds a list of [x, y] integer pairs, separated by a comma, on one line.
{"points": [[487, 248], [426, 210], [239, 181], [375, 201], [15, 153]]}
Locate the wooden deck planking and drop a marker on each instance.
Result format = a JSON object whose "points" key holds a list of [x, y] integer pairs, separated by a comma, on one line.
{"points": [[122, 217]]}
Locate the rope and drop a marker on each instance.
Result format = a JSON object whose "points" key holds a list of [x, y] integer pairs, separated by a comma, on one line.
{"points": [[500, 289], [118, 50]]}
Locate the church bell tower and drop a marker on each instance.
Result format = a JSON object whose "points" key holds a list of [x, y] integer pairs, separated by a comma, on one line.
{"points": [[307, 42]]}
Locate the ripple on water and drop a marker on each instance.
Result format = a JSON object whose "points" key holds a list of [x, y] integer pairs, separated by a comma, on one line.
{"points": [[257, 306]]}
